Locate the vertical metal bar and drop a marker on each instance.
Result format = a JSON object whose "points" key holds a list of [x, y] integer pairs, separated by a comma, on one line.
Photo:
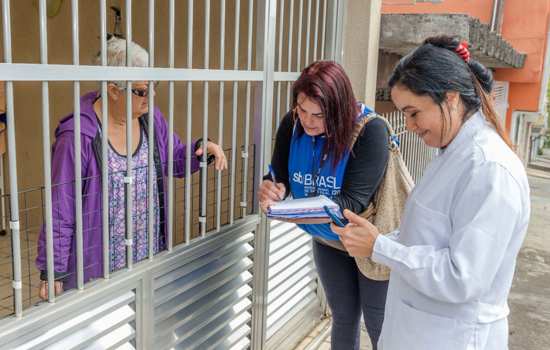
{"points": [[2, 194], [308, 31], [281, 33], [413, 154], [26, 235], [278, 105], [338, 29], [221, 116], [323, 31], [151, 180], [129, 149], [333, 32], [493, 22], [261, 240], [288, 98], [46, 153], [290, 32], [234, 124], [417, 157], [280, 60], [12, 166], [299, 46], [334, 27], [104, 144], [171, 30], [204, 164], [77, 160], [316, 31], [189, 124], [245, 154], [340, 18]]}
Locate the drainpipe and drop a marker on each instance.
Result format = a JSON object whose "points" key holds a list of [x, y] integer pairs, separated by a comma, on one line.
{"points": [[496, 18]]}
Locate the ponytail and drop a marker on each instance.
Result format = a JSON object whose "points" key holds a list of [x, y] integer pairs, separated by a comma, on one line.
{"points": [[442, 64]]}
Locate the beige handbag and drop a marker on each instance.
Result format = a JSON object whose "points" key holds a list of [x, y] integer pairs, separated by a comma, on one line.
{"points": [[389, 200]]}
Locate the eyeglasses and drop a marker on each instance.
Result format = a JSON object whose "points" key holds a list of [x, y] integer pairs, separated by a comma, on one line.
{"points": [[114, 35], [140, 92]]}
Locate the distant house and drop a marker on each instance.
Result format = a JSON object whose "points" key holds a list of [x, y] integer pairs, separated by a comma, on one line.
{"points": [[509, 36]]}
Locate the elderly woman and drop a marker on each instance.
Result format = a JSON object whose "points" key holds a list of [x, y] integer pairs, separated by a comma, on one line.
{"points": [[91, 137]]}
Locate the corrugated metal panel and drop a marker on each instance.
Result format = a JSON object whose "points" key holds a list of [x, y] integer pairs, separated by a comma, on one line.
{"points": [[104, 326], [219, 327], [292, 284], [195, 297], [233, 336], [205, 303]]}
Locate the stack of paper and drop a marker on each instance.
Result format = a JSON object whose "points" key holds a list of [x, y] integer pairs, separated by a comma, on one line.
{"points": [[310, 207]]}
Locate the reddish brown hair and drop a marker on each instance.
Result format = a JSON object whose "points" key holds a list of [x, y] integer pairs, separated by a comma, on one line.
{"points": [[326, 83]]}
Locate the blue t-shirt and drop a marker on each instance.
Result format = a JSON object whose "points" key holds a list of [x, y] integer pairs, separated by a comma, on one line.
{"points": [[311, 172]]}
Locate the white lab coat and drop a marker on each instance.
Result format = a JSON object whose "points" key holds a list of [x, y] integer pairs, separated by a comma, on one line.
{"points": [[453, 257]]}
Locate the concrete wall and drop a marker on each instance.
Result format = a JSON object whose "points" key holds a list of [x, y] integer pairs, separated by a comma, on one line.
{"points": [[386, 64], [360, 46], [481, 9], [525, 24]]}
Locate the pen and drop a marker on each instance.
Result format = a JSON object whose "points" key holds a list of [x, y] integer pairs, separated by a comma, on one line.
{"points": [[272, 173]]}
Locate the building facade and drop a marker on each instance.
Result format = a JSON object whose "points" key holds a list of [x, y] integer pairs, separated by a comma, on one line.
{"points": [[510, 36]]}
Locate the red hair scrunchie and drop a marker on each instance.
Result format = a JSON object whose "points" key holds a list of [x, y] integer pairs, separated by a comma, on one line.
{"points": [[463, 52]]}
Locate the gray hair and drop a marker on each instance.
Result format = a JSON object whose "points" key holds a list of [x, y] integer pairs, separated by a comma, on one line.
{"points": [[116, 55]]}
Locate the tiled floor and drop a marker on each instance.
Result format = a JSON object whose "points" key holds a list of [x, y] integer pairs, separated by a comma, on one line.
{"points": [[30, 275], [311, 342]]}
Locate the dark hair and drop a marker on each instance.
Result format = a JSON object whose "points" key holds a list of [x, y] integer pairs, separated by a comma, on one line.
{"points": [[326, 83], [435, 68]]}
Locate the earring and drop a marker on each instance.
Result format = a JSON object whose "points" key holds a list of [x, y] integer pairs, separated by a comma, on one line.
{"points": [[294, 115]]}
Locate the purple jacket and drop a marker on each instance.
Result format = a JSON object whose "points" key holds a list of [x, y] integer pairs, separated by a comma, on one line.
{"points": [[63, 204]]}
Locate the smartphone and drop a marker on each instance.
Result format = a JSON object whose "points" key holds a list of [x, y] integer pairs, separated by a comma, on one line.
{"points": [[338, 221]]}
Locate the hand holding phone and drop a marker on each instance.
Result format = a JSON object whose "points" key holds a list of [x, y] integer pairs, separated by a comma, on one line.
{"points": [[337, 221]]}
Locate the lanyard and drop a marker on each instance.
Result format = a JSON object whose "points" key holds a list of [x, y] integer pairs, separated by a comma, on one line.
{"points": [[317, 170]]}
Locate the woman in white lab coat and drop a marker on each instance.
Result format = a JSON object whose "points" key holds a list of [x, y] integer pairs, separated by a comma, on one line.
{"points": [[454, 255]]}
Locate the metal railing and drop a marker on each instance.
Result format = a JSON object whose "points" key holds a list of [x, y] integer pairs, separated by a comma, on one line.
{"points": [[415, 153], [237, 59], [31, 213], [74, 72]]}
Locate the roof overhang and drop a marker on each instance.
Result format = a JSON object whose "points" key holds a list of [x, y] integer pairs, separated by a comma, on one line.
{"points": [[401, 33]]}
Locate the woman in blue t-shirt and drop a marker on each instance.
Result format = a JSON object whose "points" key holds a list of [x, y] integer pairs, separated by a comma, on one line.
{"points": [[313, 156]]}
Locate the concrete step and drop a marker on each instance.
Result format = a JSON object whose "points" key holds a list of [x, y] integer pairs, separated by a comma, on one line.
{"points": [[540, 166]]}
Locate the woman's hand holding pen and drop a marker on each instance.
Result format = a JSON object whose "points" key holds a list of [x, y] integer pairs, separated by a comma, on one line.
{"points": [[270, 192]]}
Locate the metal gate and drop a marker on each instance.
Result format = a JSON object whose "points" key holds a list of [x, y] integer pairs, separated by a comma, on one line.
{"points": [[229, 278]]}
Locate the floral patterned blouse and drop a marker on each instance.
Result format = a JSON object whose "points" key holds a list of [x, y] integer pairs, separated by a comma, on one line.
{"points": [[117, 206]]}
